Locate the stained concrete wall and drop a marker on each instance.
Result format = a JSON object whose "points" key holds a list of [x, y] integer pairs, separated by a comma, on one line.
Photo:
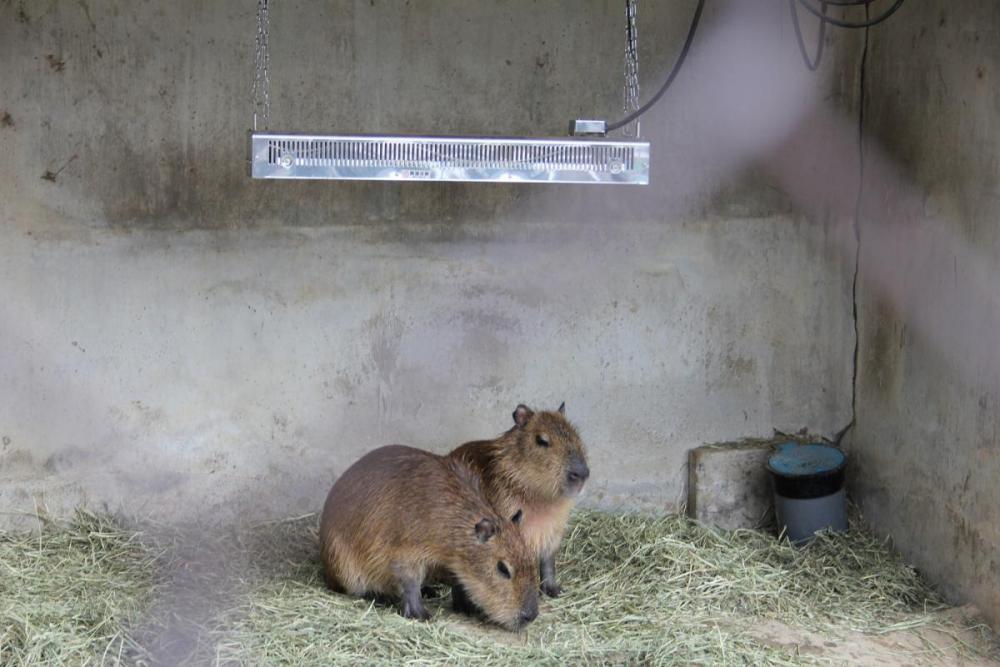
{"points": [[925, 449], [180, 341]]}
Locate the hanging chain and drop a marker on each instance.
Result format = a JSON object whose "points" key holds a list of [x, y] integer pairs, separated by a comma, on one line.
{"points": [[631, 89], [261, 84]]}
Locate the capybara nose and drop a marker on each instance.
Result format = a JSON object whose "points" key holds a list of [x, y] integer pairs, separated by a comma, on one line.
{"points": [[529, 612], [578, 472]]}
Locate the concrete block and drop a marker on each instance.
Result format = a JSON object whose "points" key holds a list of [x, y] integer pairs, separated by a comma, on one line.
{"points": [[728, 484]]}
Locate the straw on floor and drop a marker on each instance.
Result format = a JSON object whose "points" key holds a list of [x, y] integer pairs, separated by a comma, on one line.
{"points": [[70, 592], [638, 590]]}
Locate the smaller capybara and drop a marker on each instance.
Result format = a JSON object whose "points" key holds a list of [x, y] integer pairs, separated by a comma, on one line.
{"points": [[540, 466], [400, 517]]}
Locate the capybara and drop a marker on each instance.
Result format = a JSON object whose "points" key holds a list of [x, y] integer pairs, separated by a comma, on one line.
{"points": [[539, 466], [401, 516]]}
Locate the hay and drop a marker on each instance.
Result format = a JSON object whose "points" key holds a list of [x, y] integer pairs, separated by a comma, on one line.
{"points": [[639, 590], [69, 591]]}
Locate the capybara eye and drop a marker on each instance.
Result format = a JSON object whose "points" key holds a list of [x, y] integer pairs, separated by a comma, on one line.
{"points": [[504, 570], [518, 515], [542, 441]]}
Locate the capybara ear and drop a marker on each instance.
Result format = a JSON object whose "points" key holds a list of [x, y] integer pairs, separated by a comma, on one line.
{"points": [[522, 414], [562, 408], [518, 515], [485, 530]]}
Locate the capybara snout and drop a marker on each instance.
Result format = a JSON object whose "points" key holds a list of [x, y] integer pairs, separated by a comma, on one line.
{"points": [[577, 472], [529, 611]]}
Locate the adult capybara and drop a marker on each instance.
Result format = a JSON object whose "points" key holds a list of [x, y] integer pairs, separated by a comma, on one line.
{"points": [[401, 516], [540, 466]]}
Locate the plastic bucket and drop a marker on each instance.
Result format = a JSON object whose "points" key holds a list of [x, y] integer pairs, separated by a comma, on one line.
{"points": [[808, 489]]}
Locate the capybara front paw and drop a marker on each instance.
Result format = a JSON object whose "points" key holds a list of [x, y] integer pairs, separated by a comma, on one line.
{"points": [[420, 613], [551, 588]]}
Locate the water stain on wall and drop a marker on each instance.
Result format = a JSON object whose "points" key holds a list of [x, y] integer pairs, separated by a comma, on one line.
{"points": [[385, 333]]}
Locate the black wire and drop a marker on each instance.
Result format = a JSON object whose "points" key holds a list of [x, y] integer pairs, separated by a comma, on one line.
{"points": [[821, 15], [670, 77], [811, 64], [857, 236], [848, 24]]}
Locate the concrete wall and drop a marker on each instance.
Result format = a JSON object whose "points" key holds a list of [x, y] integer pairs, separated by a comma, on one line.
{"points": [[926, 448], [180, 341]]}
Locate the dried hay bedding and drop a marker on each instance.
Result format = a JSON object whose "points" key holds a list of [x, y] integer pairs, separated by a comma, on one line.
{"points": [[638, 590]]}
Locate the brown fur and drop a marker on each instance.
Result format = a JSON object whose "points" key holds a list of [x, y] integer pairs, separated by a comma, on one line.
{"points": [[517, 472], [400, 516]]}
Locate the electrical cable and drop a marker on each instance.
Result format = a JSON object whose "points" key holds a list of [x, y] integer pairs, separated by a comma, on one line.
{"points": [[868, 23], [812, 64], [857, 237], [670, 77]]}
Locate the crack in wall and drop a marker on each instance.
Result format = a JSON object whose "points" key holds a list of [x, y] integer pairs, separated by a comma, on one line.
{"points": [[857, 237]]}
